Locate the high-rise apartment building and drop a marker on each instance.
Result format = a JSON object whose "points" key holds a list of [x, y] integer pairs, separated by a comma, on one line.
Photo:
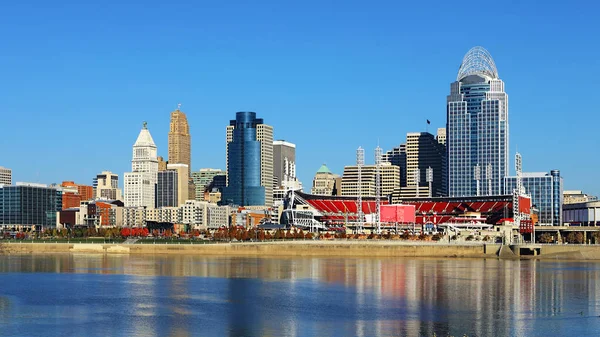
{"points": [[167, 189], [477, 127], [106, 186], [423, 153], [5, 176], [249, 161], [546, 191], [29, 205], [140, 184]]}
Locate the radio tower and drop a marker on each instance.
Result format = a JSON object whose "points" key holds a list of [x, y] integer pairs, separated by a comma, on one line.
{"points": [[378, 153], [360, 161]]}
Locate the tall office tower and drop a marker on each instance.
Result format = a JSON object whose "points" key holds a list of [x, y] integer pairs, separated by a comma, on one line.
{"points": [[284, 170], [546, 191], [423, 153], [326, 182], [162, 164], [106, 186], [167, 189], [140, 184], [180, 140], [29, 205], [477, 127], [182, 181], [284, 161], [397, 157], [389, 179], [203, 178], [249, 161], [5, 176]]}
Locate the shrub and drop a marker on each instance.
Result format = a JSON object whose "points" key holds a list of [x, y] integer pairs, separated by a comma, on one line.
{"points": [[436, 237], [470, 238]]}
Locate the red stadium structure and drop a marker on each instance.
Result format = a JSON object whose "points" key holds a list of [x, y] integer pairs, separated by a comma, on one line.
{"points": [[338, 210]]}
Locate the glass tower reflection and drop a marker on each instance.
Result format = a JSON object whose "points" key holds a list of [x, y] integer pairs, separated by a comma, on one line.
{"points": [[244, 162]]}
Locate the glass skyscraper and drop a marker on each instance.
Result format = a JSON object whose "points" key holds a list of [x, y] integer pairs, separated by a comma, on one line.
{"points": [[546, 190], [477, 128], [249, 161]]}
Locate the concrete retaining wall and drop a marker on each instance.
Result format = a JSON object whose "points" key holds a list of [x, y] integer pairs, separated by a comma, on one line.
{"points": [[354, 249], [308, 248]]}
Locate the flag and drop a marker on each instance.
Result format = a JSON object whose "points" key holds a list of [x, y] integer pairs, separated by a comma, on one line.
{"points": [[428, 122]]}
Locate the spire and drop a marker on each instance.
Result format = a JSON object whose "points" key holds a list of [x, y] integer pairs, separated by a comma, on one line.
{"points": [[144, 138]]}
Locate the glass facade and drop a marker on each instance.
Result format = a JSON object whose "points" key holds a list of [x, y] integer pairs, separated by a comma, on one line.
{"points": [[546, 191], [244, 163], [29, 205], [167, 189], [477, 131]]}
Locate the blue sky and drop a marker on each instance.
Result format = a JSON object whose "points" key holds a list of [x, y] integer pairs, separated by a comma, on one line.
{"points": [[78, 79]]}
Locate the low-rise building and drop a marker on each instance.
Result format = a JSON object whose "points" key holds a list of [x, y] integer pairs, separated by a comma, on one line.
{"points": [[29, 205]]}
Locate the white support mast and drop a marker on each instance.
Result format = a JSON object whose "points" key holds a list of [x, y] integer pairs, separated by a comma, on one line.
{"points": [[489, 172], [429, 178], [518, 190], [477, 178], [378, 153], [360, 161]]}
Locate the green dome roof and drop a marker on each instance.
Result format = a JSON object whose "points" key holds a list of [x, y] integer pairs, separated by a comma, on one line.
{"points": [[323, 169]]}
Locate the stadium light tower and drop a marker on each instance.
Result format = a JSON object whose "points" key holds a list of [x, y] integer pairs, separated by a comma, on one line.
{"points": [[429, 179], [518, 189], [360, 162], [477, 177], [378, 153], [488, 174], [417, 178]]}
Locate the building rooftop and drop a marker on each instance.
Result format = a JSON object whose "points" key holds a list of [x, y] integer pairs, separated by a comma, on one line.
{"points": [[479, 62], [144, 138], [324, 169]]}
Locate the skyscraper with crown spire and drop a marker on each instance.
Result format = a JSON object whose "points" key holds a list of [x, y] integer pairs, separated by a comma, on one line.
{"points": [[180, 140], [140, 183]]}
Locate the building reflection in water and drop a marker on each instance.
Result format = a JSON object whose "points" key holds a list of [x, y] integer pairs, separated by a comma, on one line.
{"points": [[177, 295]]}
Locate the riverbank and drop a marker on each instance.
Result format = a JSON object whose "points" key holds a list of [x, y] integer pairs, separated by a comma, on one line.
{"points": [[315, 248]]}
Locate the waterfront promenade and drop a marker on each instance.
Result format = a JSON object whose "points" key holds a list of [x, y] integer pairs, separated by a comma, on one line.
{"points": [[323, 248]]}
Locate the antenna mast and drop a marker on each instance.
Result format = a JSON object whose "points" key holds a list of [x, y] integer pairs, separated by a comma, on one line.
{"points": [[378, 153], [360, 161]]}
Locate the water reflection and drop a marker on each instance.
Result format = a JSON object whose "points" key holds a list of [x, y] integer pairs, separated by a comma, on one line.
{"points": [[87, 294]]}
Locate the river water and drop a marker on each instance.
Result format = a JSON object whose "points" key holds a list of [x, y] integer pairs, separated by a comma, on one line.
{"points": [[135, 295]]}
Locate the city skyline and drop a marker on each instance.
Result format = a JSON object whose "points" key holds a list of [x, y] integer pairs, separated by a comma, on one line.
{"points": [[336, 78]]}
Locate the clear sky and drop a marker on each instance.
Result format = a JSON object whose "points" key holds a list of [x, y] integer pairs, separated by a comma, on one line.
{"points": [[77, 79]]}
